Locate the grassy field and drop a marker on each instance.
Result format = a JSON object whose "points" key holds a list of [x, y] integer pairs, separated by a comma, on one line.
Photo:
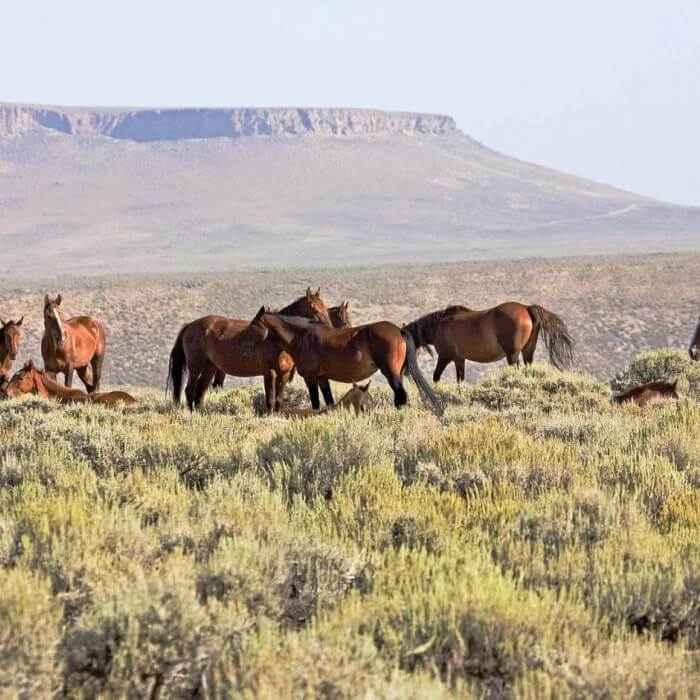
{"points": [[615, 306], [534, 541]]}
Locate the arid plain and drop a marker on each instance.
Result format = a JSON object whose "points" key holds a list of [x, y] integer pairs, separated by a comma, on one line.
{"points": [[616, 306]]}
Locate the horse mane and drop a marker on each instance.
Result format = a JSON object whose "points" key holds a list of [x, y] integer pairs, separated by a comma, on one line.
{"points": [[423, 328], [300, 321]]}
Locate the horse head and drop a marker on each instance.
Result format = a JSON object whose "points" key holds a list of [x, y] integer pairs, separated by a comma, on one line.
{"points": [[10, 335], [340, 316], [313, 307], [53, 319], [361, 401], [22, 382]]}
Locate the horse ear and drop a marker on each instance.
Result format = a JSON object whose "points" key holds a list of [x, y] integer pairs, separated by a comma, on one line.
{"points": [[345, 304], [365, 388], [261, 311], [47, 301], [318, 292], [59, 298], [308, 292], [29, 364], [19, 323], [2, 323]]}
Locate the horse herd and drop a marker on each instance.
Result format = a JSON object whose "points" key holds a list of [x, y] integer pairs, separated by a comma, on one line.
{"points": [[306, 337]]}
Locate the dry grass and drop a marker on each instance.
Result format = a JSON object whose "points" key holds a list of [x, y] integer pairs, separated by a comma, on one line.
{"points": [[534, 541]]}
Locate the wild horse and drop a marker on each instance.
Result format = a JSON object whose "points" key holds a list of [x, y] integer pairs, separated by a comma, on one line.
{"points": [[77, 344], [348, 355], [213, 343], [30, 380], [506, 330], [340, 318]]}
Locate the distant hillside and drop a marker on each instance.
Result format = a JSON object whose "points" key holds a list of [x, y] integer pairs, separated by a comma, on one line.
{"points": [[132, 190]]}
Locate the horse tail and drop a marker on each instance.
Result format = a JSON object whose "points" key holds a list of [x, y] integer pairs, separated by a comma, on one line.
{"points": [[177, 365], [416, 329], [413, 371], [556, 336]]}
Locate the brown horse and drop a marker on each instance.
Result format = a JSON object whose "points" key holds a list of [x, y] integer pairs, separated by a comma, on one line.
{"points": [[321, 354], [357, 399], [10, 335], [73, 345], [694, 349], [647, 393], [30, 380], [506, 330], [340, 318], [212, 344]]}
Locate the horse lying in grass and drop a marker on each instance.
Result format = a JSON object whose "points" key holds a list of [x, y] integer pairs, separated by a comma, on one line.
{"points": [[649, 393], [357, 399], [507, 330], [322, 354], [30, 380]]}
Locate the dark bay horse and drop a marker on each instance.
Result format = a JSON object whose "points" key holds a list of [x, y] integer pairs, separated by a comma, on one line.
{"points": [[30, 380], [348, 355], [647, 393], [10, 335], [340, 318], [506, 330], [213, 343], [77, 344], [694, 349]]}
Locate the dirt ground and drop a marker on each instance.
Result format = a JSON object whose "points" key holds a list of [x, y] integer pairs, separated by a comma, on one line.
{"points": [[615, 306]]}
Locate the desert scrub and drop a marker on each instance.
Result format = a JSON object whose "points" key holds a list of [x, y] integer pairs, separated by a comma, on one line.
{"points": [[662, 365], [534, 540]]}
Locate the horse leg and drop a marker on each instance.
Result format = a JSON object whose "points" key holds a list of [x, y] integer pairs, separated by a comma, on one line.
{"points": [[191, 388], [530, 346], [83, 374], [219, 379], [513, 358], [459, 370], [396, 384], [442, 362], [270, 380], [312, 386], [280, 389], [326, 391], [68, 374], [203, 382], [96, 364]]}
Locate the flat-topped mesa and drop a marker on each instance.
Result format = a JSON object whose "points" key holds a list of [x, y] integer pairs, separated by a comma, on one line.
{"points": [[192, 123]]}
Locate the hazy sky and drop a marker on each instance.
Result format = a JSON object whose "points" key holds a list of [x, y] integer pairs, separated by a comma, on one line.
{"points": [[605, 89]]}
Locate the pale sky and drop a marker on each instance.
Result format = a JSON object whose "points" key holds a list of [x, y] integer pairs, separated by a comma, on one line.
{"points": [[606, 89]]}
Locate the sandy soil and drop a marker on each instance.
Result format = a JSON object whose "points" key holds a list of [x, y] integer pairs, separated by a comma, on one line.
{"points": [[615, 306]]}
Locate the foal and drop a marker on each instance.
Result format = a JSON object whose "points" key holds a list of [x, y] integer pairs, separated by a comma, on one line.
{"points": [[648, 393]]}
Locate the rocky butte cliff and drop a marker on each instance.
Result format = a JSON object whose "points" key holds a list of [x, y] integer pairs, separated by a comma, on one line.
{"points": [[87, 190], [170, 124]]}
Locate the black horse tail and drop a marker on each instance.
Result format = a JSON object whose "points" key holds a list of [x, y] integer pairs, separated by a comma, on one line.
{"points": [[177, 366], [555, 334], [413, 370]]}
